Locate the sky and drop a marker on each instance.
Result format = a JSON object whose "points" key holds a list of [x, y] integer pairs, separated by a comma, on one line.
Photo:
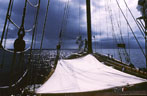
{"points": [[105, 18]]}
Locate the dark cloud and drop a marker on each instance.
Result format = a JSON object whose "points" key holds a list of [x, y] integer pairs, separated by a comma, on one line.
{"points": [[54, 23]]}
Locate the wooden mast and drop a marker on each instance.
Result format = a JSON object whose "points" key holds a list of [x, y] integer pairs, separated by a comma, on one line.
{"points": [[89, 26]]}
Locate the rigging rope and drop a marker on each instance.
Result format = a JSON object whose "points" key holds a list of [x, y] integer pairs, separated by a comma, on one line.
{"points": [[2, 37], [141, 25], [79, 19], [19, 44], [16, 83], [106, 9], [113, 31], [133, 17], [8, 25], [130, 28], [36, 5], [128, 35], [26, 30], [127, 58], [44, 26], [62, 29], [25, 73], [33, 36]]}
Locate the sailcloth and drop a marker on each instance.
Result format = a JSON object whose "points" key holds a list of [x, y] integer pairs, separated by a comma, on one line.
{"points": [[83, 75]]}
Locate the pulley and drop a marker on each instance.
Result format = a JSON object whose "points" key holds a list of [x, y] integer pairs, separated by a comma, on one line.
{"points": [[19, 44]]}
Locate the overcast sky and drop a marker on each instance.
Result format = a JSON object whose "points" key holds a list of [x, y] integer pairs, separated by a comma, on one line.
{"points": [[105, 16]]}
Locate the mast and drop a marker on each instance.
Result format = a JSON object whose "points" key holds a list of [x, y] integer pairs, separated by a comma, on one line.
{"points": [[89, 26]]}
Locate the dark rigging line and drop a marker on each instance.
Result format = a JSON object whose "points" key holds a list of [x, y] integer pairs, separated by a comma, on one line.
{"points": [[107, 24], [8, 25], [79, 20], [133, 17], [122, 40], [113, 31], [35, 23], [43, 31], [130, 28], [141, 25], [2, 37], [128, 35], [64, 22], [36, 29], [33, 36]]}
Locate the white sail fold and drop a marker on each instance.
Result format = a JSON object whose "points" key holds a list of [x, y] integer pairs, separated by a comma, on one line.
{"points": [[83, 75]]}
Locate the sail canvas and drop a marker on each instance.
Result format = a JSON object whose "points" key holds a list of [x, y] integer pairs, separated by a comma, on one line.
{"points": [[85, 74]]}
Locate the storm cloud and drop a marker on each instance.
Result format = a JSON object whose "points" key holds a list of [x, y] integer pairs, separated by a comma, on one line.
{"points": [[76, 22]]}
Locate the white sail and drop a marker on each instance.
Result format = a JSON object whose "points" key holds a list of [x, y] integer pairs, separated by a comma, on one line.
{"points": [[83, 75]]}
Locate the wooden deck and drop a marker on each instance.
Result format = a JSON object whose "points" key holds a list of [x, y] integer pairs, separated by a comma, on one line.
{"points": [[120, 66]]}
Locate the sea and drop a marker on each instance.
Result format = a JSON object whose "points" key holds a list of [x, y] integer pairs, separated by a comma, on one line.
{"points": [[135, 55]]}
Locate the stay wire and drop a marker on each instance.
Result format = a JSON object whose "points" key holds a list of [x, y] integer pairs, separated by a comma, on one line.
{"points": [[141, 25], [64, 22], [134, 18], [14, 54], [33, 36], [6, 19], [122, 40], [113, 31], [64, 18], [44, 26], [35, 23], [8, 24], [63, 26], [128, 35], [106, 9], [3, 56], [79, 19], [24, 14], [130, 28], [36, 29]]}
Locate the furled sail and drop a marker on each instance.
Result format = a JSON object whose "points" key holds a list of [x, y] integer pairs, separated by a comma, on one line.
{"points": [[85, 74]]}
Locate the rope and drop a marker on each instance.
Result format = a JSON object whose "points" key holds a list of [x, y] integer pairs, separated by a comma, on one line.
{"points": [[35, 24], [13, 23], [106, 9], [5, 49], [63, 24], [113, 32], [130, 28], [8, 24], [64, 20], [24, 14], [122, 40], [16, 83], [33, 36], [141, 25], [2, 37], [43, 31], [36, 5], [26, 30], [79, 20], [133, 17]]}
